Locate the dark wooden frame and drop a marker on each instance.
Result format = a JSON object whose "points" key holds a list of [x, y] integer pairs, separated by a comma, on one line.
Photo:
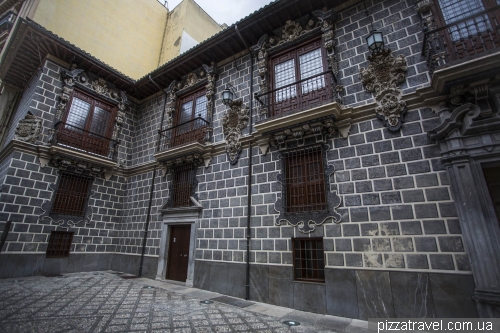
{"points": [[81, 139], [459, 51], [321, 270], [63, 247], [301, 100], [193, 130]]}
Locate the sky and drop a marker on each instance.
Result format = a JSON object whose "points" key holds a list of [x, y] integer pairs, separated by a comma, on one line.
{"points": [[225, 11]]}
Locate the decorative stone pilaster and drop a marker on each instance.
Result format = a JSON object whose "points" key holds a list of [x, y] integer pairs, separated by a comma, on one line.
{"points": [[29, 128], [382, 77], [327, 28], [233, 123]]}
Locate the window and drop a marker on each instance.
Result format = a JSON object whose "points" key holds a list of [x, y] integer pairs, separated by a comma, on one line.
{"points": [[183, 185], [304, 180], [191, 119], [71, 195], [299, 79], [308, 259], [59, 244], [87, 124], [453, 11]]}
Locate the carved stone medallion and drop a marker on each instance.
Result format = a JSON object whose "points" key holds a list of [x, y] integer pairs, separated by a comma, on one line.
{"points": [[382, 77], [233, 122], [29, 128]]}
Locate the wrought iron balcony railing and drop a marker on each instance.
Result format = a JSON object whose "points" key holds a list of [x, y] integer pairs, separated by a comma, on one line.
{"points": [[297, 96], [77, 138], [472, 36], [195, 130]]}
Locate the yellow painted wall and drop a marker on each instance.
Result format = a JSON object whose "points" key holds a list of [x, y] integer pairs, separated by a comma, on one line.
{"points": [[125, 34], [187, 16]]}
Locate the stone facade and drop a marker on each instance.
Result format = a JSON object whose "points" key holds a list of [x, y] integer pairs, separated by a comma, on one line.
{"points": [[399, 239]]}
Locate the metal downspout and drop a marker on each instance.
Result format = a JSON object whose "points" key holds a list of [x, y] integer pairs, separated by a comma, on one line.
{"points": [[148, 216], [249, 181]]}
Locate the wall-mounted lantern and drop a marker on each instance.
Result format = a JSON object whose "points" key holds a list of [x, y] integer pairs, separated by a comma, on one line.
{"points": [[228, 95], [375, 41]]}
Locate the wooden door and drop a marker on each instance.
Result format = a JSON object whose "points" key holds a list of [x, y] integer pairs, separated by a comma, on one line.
{"points": [[178, 252]]}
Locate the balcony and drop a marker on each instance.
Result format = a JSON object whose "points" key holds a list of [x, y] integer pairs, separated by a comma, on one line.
{"points": [[308, 107], [80, 140], [297, 96], [469, 38], [188, 138]]}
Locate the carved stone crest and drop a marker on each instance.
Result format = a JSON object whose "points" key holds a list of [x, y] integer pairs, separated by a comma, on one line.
{"points": [[424, 6], [382, 77], [290, 31], [233, 122], [29, 128]]}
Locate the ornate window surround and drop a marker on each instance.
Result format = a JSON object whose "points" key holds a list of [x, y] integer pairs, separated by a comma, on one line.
{"points": [[320, 121], [307, 221]]}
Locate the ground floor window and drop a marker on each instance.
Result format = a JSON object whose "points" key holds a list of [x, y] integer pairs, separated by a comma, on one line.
{"points": [[308, 259], [59, 244], [71, 195], [183, 184]]}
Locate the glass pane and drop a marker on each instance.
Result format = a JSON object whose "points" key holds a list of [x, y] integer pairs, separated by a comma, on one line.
{"points": [[200, 111], [100, 121], [186, 112], [311, 64], [284, 75], [454, 10], [78, 113]]}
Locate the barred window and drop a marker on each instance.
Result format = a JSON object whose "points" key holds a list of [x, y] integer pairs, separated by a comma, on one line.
{"points": [[308, 259], [59, 244], [183, 184], [71, 195], [304, 180]]}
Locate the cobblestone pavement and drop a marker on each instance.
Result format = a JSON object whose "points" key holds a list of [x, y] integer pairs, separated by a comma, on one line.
{"points": [[106, 302]]}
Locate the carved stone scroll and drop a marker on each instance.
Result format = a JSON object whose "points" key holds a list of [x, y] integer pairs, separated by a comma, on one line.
{"points": [[382, 77], [233, 123], [29, 128]]}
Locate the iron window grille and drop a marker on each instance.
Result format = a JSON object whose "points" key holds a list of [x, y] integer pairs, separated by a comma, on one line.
{"points": [[304, 180], [72, 194], [59, 244], [308, 259], [183, 185]]}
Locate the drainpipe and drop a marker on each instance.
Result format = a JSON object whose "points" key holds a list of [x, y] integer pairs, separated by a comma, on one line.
{"points": [[148, 216], [5, 233], [249, 181]]}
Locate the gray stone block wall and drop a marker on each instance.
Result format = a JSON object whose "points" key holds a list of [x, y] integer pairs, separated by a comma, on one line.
{"points": [[402, 28], [25, 188], [145, 132], [397, 212]]}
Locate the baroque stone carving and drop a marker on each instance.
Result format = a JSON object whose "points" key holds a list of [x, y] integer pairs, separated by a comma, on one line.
{"points": [[306, 222], [29, 128], [233, 123], [382, 77], [204, 74], [79, 78], [423, 6]]}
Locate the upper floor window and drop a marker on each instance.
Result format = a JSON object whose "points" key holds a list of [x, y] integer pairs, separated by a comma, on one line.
{"points": [[299, 79], [87, 124], [191, 119], [305, 188]]}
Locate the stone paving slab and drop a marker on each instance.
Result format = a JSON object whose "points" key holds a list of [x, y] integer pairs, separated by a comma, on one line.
{"points": [[105, 302]]}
